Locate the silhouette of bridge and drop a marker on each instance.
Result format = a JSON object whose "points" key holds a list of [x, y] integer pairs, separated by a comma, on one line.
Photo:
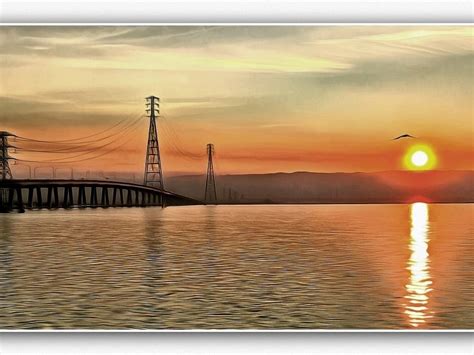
{"points": [[24, 194]]}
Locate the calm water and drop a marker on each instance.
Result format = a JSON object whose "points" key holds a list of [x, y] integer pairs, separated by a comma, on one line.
{"points": [[254, 267]]}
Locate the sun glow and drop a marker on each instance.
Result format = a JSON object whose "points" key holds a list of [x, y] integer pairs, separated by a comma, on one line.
{"points": [[419, 157]]}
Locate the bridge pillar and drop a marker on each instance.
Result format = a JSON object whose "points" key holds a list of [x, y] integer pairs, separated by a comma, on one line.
{"points": [[129, 198], [49, 197], [65, 197], [30, 197], [71, 196], [105, 197], [10, 198], [3, 200], [114, 197], [137, 197], [143, 204], [7, 199], [94, 197], [81, 198], [56, 197], [122, 201], [68, 198], [19, 198], [39, 198]]}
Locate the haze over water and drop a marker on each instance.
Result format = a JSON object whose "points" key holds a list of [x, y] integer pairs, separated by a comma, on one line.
{"points": [[245, 267]]}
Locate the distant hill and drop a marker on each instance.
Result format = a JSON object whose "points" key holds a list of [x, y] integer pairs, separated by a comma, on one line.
{"points": [[309, 187]]}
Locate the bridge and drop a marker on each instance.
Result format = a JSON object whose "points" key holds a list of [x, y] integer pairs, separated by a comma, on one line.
{"points": [[36, 194], [40, 194]]}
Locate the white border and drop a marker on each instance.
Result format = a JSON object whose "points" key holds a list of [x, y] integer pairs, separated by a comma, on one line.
{"points": [[228, 24], [156, 24], [248, 11]]}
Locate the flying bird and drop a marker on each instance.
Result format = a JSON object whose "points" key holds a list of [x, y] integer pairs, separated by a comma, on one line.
{"points": [[403, 136]]}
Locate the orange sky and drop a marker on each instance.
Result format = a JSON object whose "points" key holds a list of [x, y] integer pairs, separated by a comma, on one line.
{"points": [[313, 98]]}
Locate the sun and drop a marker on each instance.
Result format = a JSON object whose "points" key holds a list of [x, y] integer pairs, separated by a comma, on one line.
{"points": [[419, 157]]}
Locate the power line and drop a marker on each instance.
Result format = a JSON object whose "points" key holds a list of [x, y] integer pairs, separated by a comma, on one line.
{"points": [[74, 161], [62, 160], [175, 141], [77, 149], [79, 140]]}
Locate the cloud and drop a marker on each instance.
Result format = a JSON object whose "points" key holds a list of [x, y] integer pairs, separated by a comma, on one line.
{"points": [[247, 88]]}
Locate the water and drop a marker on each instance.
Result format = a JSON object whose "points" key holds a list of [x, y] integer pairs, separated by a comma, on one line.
{"points": [[239, 267]]}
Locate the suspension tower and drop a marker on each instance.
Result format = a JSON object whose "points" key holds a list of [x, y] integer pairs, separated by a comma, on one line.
{"points": [[153, 172], [210, 194], [5, 171]]}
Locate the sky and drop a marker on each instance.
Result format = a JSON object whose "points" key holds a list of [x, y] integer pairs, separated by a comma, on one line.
{"points": [[270, 98]]}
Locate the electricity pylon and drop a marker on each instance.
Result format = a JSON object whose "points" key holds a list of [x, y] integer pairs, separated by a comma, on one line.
{"points": [[5, 171], [153, 172], [210, 194]]}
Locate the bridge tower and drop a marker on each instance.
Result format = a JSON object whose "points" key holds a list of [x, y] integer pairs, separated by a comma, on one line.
{"points": [[5, 171], [153, 172], [210, 195]]}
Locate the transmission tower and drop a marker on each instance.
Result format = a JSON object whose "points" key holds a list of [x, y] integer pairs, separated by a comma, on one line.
{"points": [[210, 194], [5, 171], [153, 172]]}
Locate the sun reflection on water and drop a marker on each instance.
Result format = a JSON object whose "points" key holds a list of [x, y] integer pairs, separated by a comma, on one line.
{"points": [[419, 285]]}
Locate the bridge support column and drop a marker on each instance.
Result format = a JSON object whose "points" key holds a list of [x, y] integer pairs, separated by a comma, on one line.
{"points": [[71, 196], [56, 197], [129, 198], [39, 198], [81, 198], [68, 197], [3, 200], [49, 200], [122, 201], [144, 195], [94, 197], [105, 197], [137, 197], [114, 197], [10, 198], [30, 197], [19, 197]]}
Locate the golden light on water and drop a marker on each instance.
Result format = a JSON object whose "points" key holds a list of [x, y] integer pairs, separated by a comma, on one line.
{"points": [[420, 157], [419, 285]]}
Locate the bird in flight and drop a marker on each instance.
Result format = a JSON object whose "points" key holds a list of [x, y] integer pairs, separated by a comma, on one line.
{"points": [[403, 136]]}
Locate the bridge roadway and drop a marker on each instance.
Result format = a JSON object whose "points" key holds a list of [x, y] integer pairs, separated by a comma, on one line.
{"points": [[21, 195]]}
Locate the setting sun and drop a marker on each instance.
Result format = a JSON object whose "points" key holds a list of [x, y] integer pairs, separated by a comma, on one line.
{"points": [[420, 157]]}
